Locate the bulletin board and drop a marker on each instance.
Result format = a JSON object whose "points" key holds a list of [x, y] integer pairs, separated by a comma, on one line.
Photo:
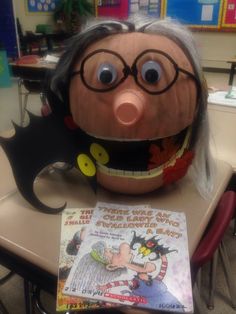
{"points": [[113, 8], [229, 14], [195, 13], [146, 7], [40, 6]]}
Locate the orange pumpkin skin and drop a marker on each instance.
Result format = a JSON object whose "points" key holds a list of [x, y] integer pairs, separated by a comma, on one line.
{"points": [[127, 112], [143, 185]]}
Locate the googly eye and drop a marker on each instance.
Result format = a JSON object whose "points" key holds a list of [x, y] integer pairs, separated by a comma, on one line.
{"points": [[107, 73], [99, 153], [151, 72], [86, 165]]}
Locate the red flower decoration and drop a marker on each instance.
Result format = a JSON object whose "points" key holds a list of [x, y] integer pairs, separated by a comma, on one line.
{"points": [[159, 157], [176, 172], [69, 122]]}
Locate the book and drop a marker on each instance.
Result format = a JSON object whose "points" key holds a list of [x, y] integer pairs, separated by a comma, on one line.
{"points": [[136, 256], [73, 224]]}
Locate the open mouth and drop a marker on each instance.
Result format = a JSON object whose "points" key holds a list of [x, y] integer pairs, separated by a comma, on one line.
{"points": [[145, 158]]}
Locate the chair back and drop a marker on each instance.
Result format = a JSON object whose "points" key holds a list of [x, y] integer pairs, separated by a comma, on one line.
{"points": [[215, 231]]}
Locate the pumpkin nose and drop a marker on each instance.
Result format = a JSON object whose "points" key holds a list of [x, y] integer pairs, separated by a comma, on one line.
{"points": [[128, 108]]}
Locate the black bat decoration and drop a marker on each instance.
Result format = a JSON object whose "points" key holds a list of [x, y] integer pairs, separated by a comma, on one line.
{"points": [[152, 245], [56, 138], [44, 141]]}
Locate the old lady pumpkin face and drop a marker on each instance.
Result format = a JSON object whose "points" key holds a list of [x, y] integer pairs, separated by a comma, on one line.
{"points": [[136, 94]]}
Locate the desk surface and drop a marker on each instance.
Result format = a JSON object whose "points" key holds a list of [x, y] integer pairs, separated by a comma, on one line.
{"points": [[35, 236], [32, 71], [41, 63], [232, 60]]}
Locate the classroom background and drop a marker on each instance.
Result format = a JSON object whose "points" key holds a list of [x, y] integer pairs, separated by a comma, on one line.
{"points": [[213, 22]]}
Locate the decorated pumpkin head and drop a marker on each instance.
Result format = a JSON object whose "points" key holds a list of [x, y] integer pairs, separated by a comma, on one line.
{"points": [[138, 92], [128, 107]]}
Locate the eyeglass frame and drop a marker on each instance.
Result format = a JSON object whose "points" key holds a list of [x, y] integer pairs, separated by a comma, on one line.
{"points": [[133, 71]]}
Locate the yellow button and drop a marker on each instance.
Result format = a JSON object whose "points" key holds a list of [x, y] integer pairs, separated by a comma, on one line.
{"points": [[99, 153], [86, 165]]}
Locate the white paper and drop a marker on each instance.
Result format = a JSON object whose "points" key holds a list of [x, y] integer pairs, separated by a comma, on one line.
{"points": [[51, 58], [143, 3], [134, 7], [207, 12]]}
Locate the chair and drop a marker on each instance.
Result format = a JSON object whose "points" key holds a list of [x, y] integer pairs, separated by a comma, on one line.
{"points": [[3, 279], [32, 295], [30, 42], [28, 87], [210, 245], [3, 309], [32, 80]]}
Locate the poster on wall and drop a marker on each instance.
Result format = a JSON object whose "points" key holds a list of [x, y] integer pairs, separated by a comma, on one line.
{"points": [[113, 8], [146, 7], [195, 13], [229, 14], [40, 6]]}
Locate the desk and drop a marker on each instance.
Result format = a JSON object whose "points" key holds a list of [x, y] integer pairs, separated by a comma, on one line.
{"points": [[30, 40], [35, 71], [232, 70], [29, 239], [33, 78]]}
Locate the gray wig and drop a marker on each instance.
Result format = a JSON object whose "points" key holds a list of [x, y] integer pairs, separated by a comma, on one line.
{"points": [[200, 171]]}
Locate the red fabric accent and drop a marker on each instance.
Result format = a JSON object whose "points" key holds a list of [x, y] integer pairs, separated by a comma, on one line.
{"points": [[69, 122], [176, 172]]}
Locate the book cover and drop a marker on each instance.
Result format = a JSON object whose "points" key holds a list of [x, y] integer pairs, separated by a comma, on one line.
{"points": [[136, 256], [73, 224]]}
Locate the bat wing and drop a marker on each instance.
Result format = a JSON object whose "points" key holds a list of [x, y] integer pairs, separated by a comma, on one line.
{"points": [[160, 250], [44, 141], [136, 240]]}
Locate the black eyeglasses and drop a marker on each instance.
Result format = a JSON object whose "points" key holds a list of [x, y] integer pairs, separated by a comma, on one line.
{"points": [[153, 70]]}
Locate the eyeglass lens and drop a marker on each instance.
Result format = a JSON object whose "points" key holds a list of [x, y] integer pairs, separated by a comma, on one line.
{"points": [[153, 70]]}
